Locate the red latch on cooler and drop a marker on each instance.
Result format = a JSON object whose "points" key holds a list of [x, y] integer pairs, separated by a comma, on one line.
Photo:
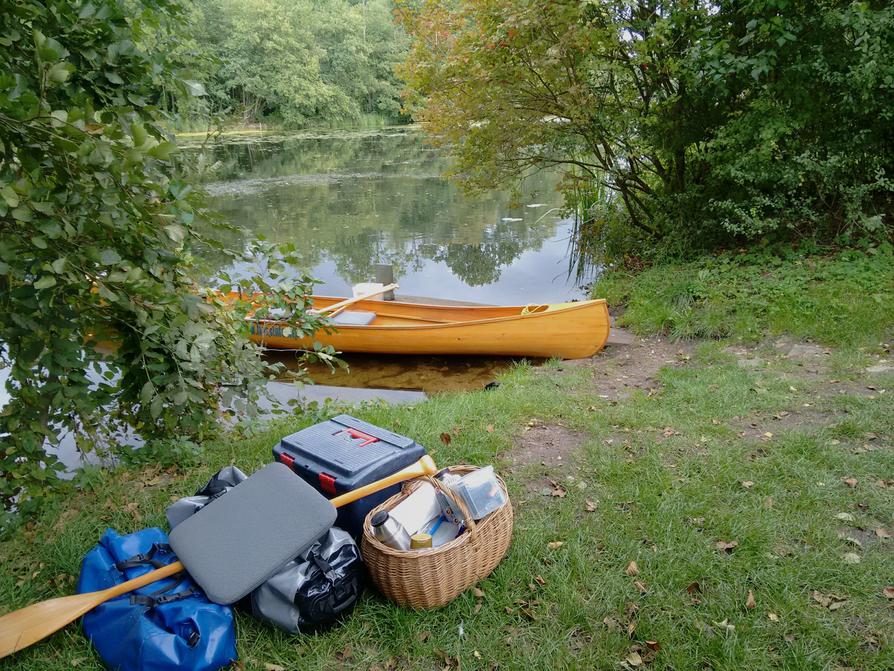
{"points": [[287, 459], [327, 484], [365, 437]]}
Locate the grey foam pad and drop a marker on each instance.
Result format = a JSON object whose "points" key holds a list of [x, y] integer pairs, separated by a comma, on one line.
{"points": [[237, 541], [353, 318]]}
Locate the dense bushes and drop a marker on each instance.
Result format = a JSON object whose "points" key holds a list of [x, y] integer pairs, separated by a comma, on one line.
{"points": [[104, 331], [695, 124]]}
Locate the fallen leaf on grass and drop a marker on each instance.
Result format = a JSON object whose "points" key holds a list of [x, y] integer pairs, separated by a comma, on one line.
{"points": [[478, 592], [591, 506], [611, 623], [850, 482], [274, 667], [448, 661], [851, 558], [882, 533], [424, 636], [694, 587], [476, 654], [668, 432], [489, 428], [767, 435], [726, 546], [725, 625], [653, 645], [844, 517], [773, 617], [632, 569], [557, 490], [830, 601], [750, 603], [540, 581], [640, 586], [555, 545], [445, 438], [634, 659], [888, 592], [747, 484]]}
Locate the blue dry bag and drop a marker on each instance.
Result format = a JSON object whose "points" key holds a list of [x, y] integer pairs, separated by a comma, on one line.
{"points": [[169, 624]]}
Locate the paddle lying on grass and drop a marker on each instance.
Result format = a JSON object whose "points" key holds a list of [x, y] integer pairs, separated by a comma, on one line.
{"points": [[229, 547], [335, 308]]}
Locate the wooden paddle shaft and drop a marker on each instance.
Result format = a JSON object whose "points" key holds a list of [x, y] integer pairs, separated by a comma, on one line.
{"points": [[425, 466], [33, 623], [341, 305], [145, 579]]}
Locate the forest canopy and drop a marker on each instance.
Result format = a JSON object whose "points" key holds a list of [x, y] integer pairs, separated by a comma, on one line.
{"points": [[293, 62]]}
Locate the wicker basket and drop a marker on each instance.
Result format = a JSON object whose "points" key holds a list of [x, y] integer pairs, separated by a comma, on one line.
{"points": [[433, 578]]}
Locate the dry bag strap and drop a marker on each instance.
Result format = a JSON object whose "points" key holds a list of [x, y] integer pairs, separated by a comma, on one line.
{"points": [[162, 595], [147, 558], [325, 567]]}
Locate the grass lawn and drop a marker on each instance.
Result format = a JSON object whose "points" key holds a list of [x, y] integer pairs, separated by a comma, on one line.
{"points": [[720, 505]]}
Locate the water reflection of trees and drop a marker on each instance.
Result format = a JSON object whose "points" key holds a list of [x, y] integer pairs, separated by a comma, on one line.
{"points": [[374, 199]]}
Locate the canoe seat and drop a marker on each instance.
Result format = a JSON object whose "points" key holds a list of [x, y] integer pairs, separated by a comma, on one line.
{"points": [[353, 318]]}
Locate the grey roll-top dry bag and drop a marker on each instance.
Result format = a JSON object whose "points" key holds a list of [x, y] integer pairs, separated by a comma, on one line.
{"points": [[219, 484]]}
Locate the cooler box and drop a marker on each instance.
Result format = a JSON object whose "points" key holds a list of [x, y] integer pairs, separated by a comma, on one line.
{"points": [[344, 453]]}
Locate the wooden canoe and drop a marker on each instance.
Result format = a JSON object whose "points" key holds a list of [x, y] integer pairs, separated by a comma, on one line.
{"points": [[567, 330]]}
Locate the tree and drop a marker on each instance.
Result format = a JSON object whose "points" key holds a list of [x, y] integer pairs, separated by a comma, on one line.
{"points": [[698, 122], [296, 61], [103, 323]]}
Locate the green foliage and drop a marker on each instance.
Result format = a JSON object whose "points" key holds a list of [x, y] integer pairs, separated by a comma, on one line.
{"points": [[839, 297], [698, 123], [295, 62], [103, 325]]}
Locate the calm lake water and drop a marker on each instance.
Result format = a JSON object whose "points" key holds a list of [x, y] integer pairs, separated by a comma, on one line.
{"points": [[351, 199]]}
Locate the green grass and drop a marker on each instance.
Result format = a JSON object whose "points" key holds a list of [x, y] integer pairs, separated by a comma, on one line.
{"points": [[663, 499], [840, 298]]}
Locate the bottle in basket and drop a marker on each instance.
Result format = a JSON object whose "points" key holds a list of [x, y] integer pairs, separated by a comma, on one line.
{"points": [[420, 541], [389, 531]]}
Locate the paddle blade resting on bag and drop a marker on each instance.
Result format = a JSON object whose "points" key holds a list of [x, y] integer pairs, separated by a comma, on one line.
{"points": [[169, 624]]}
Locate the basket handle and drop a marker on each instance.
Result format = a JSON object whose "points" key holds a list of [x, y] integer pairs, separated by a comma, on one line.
{"points": [[471, 525]]}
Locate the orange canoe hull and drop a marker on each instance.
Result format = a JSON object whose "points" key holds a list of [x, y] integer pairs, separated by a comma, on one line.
{"points": [[566, 331]]}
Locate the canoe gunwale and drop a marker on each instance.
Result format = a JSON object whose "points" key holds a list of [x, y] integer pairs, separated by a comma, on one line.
{"points": [[545, 314]]}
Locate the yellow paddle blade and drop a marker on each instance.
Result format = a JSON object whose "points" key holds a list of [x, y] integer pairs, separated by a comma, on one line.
{"points": [[28, 625], [23, 627]]}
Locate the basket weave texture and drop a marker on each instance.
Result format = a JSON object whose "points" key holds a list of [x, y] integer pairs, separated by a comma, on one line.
{"points": [[434, 577]]}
